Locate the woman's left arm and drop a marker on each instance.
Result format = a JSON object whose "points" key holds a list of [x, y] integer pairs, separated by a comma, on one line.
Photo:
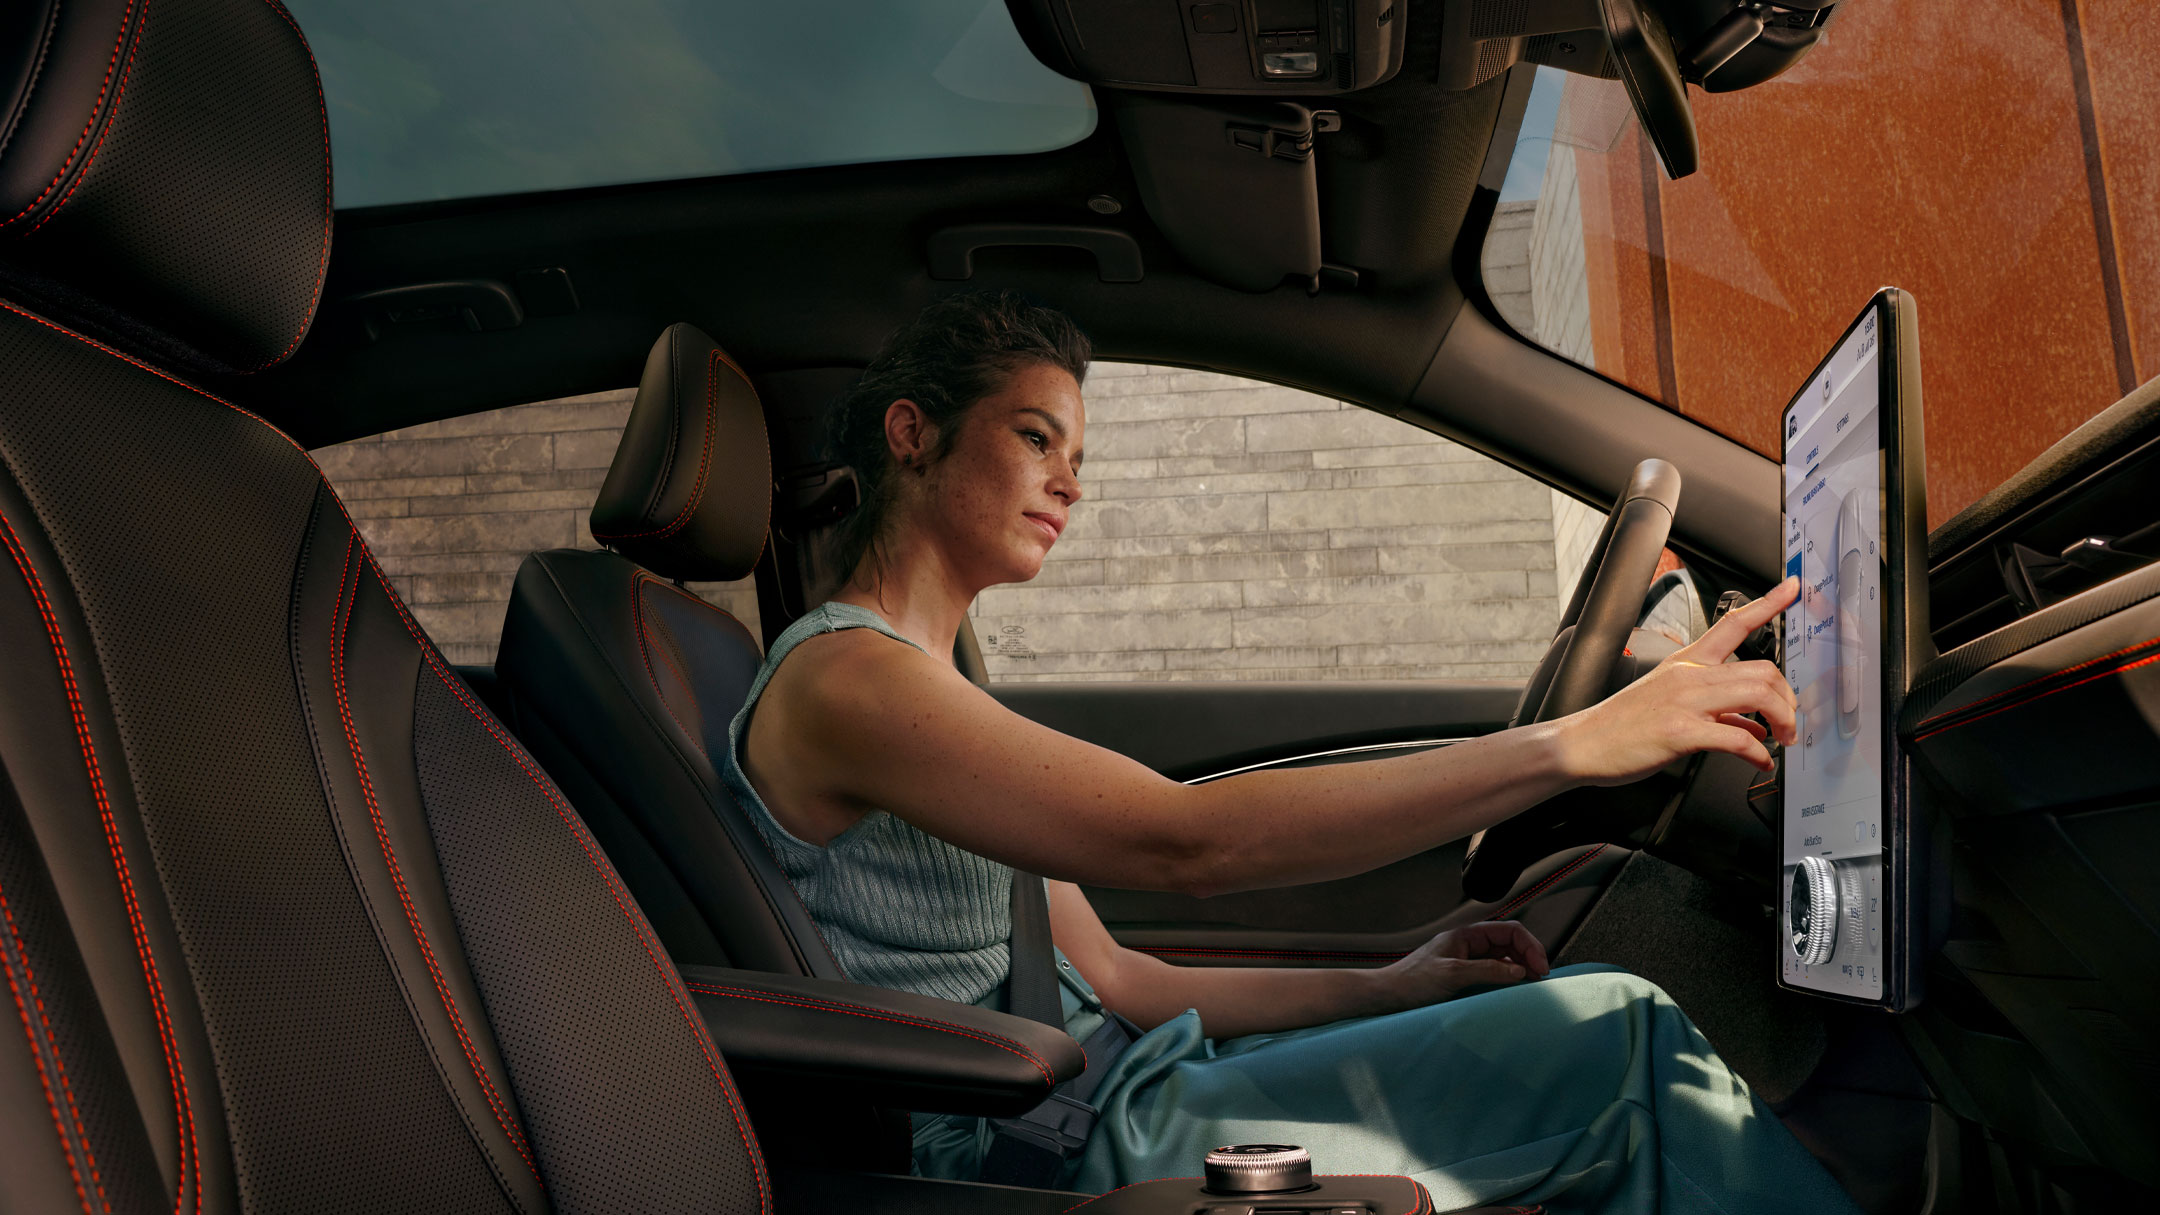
{"points": [[1248, 1000]]}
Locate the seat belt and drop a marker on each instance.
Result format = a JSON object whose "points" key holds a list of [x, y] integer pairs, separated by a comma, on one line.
{"points": [[1031, 986], [1031, 1150]]}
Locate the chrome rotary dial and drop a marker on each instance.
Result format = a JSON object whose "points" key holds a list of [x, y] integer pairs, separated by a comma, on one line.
{"points": [[1812, 910], [1258, 1168]]}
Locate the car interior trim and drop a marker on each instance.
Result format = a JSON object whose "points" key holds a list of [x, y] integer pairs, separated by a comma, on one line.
{"points": [[1369, 749], [1938, 682]]}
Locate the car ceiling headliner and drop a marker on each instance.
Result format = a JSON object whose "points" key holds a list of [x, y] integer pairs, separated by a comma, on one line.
{"points": [[814, 267]]}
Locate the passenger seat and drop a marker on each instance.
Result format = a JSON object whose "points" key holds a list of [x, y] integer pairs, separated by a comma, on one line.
{"points": [[623, 683]]}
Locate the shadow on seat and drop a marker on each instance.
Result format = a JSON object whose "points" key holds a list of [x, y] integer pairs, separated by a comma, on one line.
{"points": [[623, 684]]}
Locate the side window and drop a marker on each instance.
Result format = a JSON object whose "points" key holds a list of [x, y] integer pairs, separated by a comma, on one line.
{"points": [[450, 508], [1232, 529]]}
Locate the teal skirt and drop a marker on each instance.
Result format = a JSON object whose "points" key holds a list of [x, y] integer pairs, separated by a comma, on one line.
{"points": [[1587, 1091]]}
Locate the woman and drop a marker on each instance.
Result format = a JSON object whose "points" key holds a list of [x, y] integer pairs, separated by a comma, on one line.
{"points": [[897, 795]]}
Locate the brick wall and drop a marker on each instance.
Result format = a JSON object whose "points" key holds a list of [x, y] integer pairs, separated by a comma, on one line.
{"points": [[1233, 530], [452, 507], [1230, 530]]}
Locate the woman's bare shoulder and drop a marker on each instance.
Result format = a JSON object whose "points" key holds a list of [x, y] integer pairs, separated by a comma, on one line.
{"points": [[838, 675]]}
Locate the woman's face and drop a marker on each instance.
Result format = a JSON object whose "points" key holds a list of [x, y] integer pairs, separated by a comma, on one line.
{"points": [[1001, 495]]}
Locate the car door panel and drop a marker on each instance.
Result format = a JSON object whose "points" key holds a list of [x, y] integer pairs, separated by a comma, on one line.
{"points": [[1202, 731], [1191, 731]]}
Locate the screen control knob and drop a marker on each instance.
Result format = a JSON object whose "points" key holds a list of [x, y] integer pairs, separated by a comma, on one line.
{"points": [[1812, 910], [1259, 1168]]}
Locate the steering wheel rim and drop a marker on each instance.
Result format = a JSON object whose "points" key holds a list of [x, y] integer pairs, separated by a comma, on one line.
{"points": [[1594, 630]]}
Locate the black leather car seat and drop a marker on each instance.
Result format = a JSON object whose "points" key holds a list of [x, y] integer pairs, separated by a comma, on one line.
{"points": [[623, 684], [289, 920]]}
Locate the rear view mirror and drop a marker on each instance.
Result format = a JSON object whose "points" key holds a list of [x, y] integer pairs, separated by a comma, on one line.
{"points": [[1642, 51], [1656, 48]]}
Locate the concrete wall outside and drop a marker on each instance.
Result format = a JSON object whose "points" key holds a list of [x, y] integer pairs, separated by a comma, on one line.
{"points": [[1230, 530], [452, 507]]}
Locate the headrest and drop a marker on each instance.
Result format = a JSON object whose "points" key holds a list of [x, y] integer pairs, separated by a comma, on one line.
{"points": [[690, 492], [165, 175]]}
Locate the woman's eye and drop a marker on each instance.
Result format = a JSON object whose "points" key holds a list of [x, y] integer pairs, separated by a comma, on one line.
{"points": [[1040, 440]]}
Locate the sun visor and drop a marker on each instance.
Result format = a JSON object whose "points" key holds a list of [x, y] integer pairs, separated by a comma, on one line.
{"points": [[1229, 184]]}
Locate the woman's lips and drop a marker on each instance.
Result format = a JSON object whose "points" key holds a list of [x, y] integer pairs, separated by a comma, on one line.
{"points": [[1050, 525]]}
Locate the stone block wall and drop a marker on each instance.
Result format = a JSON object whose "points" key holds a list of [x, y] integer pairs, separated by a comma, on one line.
{"points": [[1229, 530], [452, 507], [1233, 530]]}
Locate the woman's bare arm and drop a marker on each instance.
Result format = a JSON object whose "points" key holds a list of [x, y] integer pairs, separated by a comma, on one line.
{"points": [[874, 723], [1251, 1000]]}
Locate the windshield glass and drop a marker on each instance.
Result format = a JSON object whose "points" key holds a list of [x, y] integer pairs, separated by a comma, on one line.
{"points": [[433, 100], [2005, 171]]}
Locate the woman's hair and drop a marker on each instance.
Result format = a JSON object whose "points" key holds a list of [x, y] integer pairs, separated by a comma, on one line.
{"points": [[958, 351]]}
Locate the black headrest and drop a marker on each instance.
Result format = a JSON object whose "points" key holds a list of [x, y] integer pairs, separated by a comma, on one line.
{"points": [[690, 492], [165, 175]]}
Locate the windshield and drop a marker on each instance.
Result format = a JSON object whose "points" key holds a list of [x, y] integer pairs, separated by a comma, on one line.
{"points": [[2005, 171], [433, 100]]}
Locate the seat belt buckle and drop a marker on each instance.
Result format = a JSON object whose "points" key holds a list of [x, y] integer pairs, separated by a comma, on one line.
{"points": [[1061, 1124]]}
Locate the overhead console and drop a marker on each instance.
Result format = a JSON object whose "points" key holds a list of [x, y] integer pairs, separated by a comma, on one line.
{"points": [[1299, 47]]}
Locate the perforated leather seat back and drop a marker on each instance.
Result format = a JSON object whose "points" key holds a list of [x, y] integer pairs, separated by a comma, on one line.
{"points": [[288, 920]]}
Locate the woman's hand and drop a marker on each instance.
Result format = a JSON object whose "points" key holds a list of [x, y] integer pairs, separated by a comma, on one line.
{"points": [[1692, 701], [1491, 953]]}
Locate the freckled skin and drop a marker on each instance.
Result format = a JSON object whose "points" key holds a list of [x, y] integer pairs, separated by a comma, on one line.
{"points": [[956, 526], [855, 721]]}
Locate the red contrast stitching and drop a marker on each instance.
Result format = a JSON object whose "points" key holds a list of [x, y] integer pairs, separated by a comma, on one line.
{"points": [[2043, 695], [119, 95], [456, 687], [126, 16], [340, 618], [168, 377], [820, 1004], [1993, 696], [668, 978], [637, 613], [1127, 1186], [59, 1065], [1539, 889], [1354, 955], [704, 464], [183, 1111], [322, 260]]}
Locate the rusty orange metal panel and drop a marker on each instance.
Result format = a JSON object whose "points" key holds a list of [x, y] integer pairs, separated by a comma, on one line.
{"points": [[1996, 168], [2121, 44]]}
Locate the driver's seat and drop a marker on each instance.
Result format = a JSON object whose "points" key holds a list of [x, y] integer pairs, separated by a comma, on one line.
{"points": [[623, 683], [288, 921]]}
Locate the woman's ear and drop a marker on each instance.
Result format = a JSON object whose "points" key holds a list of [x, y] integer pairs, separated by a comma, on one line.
{"points": [[909, 432]]}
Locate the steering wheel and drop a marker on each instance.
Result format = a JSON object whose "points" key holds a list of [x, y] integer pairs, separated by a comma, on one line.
{"points": [[1577, 671]]}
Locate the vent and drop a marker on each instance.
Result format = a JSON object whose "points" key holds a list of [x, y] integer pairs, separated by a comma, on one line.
{"points": [[2092, 531], [1493, 58]]}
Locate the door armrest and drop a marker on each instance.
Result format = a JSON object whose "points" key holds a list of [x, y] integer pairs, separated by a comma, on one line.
{"points": [[893, 1048]]}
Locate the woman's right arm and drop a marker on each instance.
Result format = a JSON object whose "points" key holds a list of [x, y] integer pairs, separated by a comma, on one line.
{"points": [[889, 727]]}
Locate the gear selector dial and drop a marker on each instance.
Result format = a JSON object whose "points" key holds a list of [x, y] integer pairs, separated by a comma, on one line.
{"points": [[1259, 1168], [1814, 910]]}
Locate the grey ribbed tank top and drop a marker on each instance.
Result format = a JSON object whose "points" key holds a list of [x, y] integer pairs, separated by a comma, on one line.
{"points": [[898, 908]]}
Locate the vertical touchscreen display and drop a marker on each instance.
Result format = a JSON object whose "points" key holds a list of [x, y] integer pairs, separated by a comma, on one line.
{"points": [[1832, 892]]}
